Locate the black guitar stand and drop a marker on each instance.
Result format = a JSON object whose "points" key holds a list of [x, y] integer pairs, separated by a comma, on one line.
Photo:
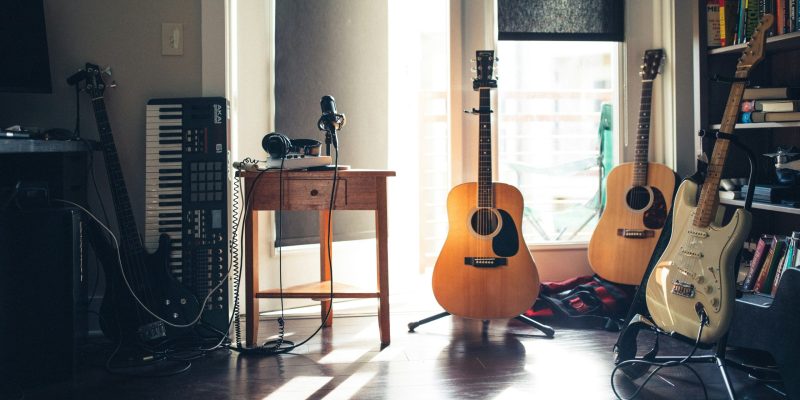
{"points": [[548, 331], [638, 319]]}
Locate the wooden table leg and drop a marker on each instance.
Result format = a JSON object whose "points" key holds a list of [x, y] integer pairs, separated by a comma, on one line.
{"points": [[381, 240], [324, 263], [251, 242]]}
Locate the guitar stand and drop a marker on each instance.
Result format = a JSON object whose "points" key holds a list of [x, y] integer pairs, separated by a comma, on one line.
{"points": [[625, 350], [548, 331]]}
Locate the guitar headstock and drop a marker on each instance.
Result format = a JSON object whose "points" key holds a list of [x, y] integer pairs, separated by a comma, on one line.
{"points": [[651, 64], [95, 85], [484, 66], [754, 52]]}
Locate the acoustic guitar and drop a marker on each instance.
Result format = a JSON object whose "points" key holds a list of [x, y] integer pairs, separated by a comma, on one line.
{"points": [[638, 199], [693, 282], [140, 293], [485, 269]]}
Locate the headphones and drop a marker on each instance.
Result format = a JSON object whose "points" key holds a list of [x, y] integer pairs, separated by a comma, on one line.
{"points": [[278, 145]]}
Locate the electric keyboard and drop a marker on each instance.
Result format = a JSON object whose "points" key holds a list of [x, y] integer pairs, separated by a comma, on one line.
{"points": [[187, 150]]}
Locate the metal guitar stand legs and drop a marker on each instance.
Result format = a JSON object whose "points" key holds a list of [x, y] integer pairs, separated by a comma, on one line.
{"points": [[548, 331]]}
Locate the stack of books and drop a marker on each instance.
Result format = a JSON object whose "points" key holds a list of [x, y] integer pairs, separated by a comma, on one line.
{"points": [[773, 104]]}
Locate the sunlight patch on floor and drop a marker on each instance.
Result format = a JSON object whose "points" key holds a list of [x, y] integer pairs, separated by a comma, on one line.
{"points": [[343, 356], [300, 387], [347, 389]]}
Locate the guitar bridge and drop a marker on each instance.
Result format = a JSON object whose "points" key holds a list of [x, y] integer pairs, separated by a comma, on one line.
{"points": [[635, 233], [152, 331], [683, 289], [485, 262]]}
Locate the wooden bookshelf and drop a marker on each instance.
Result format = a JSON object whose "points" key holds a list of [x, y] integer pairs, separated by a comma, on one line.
{"points": [[787, 41], [762, 206]]}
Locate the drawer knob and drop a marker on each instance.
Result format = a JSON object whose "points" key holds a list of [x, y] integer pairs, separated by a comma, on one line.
{"points": [[314, 192]]}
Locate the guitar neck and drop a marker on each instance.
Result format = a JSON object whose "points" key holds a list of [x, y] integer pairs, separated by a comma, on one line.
{"points": [[485, 189], [642, 147], [129, 235], [709, 195]]}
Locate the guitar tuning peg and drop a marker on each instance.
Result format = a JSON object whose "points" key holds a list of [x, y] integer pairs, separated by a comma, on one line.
{"points": [[113, 84], [473, 69], [107, 70], [472, 60], [497, 59]]}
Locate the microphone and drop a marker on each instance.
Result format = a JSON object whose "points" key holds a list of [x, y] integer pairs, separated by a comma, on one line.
{"points": [[330, 121]]}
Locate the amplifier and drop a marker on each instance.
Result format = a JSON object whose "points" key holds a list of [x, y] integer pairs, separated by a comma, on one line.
{"points": [[43, 295]]}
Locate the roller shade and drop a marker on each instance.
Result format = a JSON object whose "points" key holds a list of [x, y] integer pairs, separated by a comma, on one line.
{"points": [[576, 20]]}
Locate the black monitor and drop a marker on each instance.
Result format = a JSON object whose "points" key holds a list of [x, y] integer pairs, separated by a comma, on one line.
{"points": [[24, 62]]}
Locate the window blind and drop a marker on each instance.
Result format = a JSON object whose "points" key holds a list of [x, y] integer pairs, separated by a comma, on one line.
{"points": [[575, 20]]}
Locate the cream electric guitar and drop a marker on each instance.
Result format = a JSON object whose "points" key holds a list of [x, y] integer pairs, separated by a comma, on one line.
{"points": [[693, 281], [639, 199], [485, 269]]}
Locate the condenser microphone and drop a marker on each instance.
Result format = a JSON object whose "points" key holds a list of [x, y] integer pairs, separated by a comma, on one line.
{"points": [[330, 121]]}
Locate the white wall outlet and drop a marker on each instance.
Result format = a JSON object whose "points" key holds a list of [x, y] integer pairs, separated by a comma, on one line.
{"points": [[171, 39]]}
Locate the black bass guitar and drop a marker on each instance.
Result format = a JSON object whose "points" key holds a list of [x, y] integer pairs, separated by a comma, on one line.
{"points": [[142, 303]]}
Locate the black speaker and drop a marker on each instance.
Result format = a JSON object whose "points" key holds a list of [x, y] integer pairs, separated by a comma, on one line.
{"points": [[42, 294]]}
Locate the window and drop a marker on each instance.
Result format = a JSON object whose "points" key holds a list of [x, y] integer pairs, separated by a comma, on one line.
{"points": [[550, 99]]}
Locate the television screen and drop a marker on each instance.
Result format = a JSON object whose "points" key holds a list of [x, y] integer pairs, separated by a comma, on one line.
{"points": [[24, 62]]}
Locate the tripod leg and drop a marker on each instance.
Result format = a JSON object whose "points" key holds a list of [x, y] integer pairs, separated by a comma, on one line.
{"points": [[412, 325], [548, 331]]}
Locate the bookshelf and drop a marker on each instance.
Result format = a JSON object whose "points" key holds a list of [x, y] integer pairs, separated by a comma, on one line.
{"points": [[778, 68]]}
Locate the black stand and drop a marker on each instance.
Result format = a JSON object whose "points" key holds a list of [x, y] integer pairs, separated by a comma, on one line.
{"points": [[548, 331], [625, 348]]}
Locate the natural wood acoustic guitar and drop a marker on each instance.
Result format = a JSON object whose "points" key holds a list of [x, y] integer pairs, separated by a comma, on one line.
{"points": [[639, 196], [485, 269], [692, 286]]}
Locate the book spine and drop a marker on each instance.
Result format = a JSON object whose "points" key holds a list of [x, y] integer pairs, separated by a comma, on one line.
{"points": [[713, 24], [752, 19], [746, 117], [762, 248], [722, 27]]}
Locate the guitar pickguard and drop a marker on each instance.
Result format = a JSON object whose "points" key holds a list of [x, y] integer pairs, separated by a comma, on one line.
{"points": [[656, 216], [506, 244]]}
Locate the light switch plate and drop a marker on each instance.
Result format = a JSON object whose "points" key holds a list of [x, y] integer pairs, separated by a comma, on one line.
{"points": [[171, 39]]}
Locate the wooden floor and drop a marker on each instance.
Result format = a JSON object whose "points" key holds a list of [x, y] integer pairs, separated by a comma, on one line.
{"points": [[451, 358]]}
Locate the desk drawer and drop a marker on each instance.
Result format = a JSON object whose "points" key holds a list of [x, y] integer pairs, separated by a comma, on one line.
{"points": [[313, 194]]}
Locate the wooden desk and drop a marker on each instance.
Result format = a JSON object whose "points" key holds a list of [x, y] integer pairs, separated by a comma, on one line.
{"points": [[311, 191]]}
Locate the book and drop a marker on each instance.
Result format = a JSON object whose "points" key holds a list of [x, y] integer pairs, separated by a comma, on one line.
{"points": [[758, 116], [746, 117], [767, 274], [762, 248], [758, 93], [774, 105], [713, 31]]}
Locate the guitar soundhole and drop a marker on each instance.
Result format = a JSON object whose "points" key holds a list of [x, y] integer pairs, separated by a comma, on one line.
{"points": [[484, 221], [638, 198]]}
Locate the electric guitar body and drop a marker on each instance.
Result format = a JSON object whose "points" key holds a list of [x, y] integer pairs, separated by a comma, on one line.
{"points": [[696, 267], [690, 290], [638, 200], [485, 269], [465, 287]]}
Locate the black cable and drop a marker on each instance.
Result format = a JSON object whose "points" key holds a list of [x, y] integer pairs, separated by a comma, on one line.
{"points": [[269, 351], [659, 365], [77, 133]]}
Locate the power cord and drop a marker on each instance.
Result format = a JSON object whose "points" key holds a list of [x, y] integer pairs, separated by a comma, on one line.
{"points": [[659, 365]]}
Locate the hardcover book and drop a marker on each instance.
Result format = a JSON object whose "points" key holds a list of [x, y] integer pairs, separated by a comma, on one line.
{"points": [[758, 116], [775, 105], [757, 93]]}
